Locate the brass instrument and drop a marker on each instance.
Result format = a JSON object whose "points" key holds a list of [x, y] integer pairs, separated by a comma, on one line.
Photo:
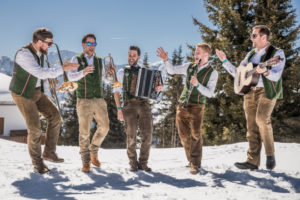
{"points": [[108, 66], [66, 86], [52, 87]]}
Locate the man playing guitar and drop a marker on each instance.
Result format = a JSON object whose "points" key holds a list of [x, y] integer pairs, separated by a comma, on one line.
{"points": [[261, 99]]}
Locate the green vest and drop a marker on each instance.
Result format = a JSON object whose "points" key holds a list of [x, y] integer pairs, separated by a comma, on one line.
{"points": [[272, 89], [203, 77], [90, 86], [127, 84], [22, 82]]}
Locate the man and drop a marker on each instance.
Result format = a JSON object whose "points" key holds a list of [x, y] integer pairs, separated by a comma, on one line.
{"points": [[202, 79], [260, 101], [136, 112], [27, 91], [90, 101]]}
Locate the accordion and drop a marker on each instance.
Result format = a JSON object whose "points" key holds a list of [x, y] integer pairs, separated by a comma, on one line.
{"points": [[147, 80]]}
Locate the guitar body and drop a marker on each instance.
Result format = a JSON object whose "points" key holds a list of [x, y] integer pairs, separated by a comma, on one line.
{"points": [[242, 83]]}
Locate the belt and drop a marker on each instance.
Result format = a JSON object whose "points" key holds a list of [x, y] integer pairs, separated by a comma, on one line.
{"points": [[256, 88]]}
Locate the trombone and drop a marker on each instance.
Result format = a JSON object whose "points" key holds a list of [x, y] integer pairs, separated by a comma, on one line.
{"points": [[108, 66], [52, 87], [66, 86]]}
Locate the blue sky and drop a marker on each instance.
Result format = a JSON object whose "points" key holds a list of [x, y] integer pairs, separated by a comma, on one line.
{"points": [[117, 24]]}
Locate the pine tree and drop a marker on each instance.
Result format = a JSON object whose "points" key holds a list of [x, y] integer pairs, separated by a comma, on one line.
{"points": [[145, 61], [166, 130], [70, 127], [280, 17], [233, 20]]}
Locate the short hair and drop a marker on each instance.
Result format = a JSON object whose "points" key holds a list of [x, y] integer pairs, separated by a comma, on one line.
{"points": [[41, 34], [263, 30], [206, 47], [135, 48], [87, 36]]}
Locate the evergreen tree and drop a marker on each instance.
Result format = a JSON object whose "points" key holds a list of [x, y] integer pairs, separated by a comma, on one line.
{"points": [[233, 20], [70, 127], [145, 61], [166, 130]]}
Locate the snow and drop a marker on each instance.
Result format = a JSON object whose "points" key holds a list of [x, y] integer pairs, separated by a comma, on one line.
{"points": [[170, 179], [5, 96]]}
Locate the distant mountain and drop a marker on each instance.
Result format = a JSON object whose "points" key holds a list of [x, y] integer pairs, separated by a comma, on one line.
{"points": [[6, 65]]}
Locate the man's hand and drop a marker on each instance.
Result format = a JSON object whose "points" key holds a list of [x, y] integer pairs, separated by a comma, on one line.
{"points": [[69, 66], [263, 70], [162, 54], [88, 70], [194, 81], [112, 70], [120, 115], [221, 55], [159, 88]]}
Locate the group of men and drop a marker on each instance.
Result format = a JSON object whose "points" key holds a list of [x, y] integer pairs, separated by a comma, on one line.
{"points": [[87, 70]]}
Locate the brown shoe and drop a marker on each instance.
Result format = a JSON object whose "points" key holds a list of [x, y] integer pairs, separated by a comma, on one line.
{"points": [[188, 165], [133, 168], [52, 157], [144, 167], [41, 168], [86, 167], [95, 161], [194, 169]]}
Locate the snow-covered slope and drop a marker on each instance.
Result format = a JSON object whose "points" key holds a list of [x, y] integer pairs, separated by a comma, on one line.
{"points": [[170, 179]]}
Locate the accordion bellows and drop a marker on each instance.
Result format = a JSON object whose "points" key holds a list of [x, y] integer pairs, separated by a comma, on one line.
{"points": [[147, 80]]}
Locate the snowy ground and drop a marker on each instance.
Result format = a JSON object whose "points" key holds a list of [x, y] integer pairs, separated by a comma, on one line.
{"points": [[218, 179]]}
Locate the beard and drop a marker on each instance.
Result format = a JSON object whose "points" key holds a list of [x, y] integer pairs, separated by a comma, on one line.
{"points": [[133, 63], [45, 52]]}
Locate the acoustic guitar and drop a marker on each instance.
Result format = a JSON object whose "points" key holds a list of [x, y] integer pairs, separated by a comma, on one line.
{"points": [[247, 77]]}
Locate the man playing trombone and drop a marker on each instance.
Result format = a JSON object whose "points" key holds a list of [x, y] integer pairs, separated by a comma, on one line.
{"points": [[90, 101], [27, 91], [201, 81]]}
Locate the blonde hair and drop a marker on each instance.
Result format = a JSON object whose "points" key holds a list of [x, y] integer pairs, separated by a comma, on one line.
{"points": [[206, 47]]}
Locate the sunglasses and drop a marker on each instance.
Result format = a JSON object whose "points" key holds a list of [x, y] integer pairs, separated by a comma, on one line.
{"points": [[253, 35], [91, 44], [48, 43]]}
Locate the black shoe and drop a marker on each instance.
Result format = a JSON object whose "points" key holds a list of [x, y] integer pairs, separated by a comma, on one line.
{"points": [[245, 165], [271, 163]]}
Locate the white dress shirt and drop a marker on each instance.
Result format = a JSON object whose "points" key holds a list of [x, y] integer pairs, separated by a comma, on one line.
{"points": [[76, 75], [275, 71], [26, 60], [207, 90]]}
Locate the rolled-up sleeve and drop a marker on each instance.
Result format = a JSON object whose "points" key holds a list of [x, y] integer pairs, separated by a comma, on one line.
{"points": [[209, 89], [120, 75], [25, 59], [178, 69], [75, 75], [276, 70]]}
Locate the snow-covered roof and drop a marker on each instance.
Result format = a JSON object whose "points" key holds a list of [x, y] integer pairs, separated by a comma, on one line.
{"points": [[5, 96]]}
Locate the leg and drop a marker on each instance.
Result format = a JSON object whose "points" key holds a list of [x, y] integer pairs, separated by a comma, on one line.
{"points": [[196, 133], [253, 136], [101, 117], [30, 113], [146, 128], [48, 109], [263, 120], [183, 126], [131, 117], [85, 117]]}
